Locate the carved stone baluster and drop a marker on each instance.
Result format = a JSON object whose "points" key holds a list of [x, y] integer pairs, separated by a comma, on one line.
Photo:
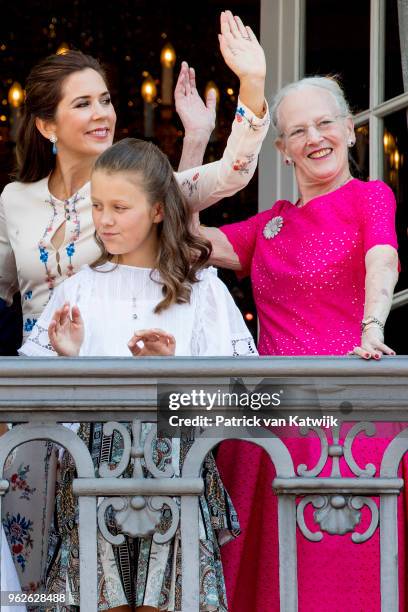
{"points": [[137, 516], [339, 513], [369, 429], [302, 468], [335, 451]]}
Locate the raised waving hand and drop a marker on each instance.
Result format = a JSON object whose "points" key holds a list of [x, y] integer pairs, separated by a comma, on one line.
{"points": [[245, 56], [240, 47], [66, 331], [195, 114]]}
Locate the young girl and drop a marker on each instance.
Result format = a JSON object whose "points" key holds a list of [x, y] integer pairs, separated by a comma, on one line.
{"points": [[149, 278]]}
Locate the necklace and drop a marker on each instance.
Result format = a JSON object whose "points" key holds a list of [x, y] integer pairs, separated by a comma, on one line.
{"points": [[134, 305], [299, 203]]}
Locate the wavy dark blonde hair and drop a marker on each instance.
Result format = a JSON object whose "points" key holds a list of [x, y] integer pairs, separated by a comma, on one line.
{"points": [[181, 254]]}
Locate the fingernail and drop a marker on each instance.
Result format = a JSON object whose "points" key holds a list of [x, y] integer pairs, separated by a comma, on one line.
{"points": [[367, 355], [376, 356], [393, 353]]}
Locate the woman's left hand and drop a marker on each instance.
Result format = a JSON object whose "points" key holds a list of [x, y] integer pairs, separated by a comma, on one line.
{"points": [[240, 48], [196, 116], [372, 344], [155, 343]]}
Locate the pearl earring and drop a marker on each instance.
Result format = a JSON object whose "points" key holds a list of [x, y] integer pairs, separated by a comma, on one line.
{"points": [[351, 143], [53, 140]]}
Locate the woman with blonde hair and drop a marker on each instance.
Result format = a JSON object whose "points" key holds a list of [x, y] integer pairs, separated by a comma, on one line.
{"points": [[323, 271]]}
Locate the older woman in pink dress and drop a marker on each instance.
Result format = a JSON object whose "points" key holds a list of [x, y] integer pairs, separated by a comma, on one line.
{"points": [[323, 272]]}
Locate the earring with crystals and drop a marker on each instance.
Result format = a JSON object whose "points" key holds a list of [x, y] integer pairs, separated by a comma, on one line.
{"points": [[288, 161], [53, 140]]}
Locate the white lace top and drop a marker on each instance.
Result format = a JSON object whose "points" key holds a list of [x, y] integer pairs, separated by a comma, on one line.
{"points": [[115, 301]]}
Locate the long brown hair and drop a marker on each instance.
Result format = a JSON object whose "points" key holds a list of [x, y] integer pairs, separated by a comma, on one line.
{"points": [[181, 253], [44, 85]]}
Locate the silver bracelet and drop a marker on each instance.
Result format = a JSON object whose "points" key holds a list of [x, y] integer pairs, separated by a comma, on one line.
{"points": [[369, 321]]}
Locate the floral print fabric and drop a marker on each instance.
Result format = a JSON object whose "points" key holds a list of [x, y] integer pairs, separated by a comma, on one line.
{"points": [[141, 572]]}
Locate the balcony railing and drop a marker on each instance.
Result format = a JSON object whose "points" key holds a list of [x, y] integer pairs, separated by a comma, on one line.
{"points": [[37, 394], [400, 299]]}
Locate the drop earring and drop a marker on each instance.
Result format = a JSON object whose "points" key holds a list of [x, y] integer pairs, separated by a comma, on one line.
{"points": [[53, 140]]}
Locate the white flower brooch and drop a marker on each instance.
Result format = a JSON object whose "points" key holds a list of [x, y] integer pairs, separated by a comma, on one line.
{"points": [[273, 227]]}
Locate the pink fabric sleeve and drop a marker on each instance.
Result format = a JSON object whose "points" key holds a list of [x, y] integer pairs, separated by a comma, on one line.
{"points": [[378, 207], [242, 236]]}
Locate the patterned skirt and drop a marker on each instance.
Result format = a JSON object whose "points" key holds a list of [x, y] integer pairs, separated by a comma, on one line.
{"points": [[28, 509], [140, 571]]}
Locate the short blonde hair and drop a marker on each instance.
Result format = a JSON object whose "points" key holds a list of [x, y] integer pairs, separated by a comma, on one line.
{"points": [[322, 82]]}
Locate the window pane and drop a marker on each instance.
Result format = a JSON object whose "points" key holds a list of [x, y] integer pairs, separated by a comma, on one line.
{"points": [[338, 42], [360, 152], [396, 176], [393, 70]]}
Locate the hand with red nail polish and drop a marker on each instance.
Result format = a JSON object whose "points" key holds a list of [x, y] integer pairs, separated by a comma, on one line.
{"points": [[372, 344]]}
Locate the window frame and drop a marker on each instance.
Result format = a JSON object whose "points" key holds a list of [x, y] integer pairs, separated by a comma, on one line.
{"points": [[283, 28]]}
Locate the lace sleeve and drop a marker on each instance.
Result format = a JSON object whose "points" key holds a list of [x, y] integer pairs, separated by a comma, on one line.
{"points": [[38, 342], [219, 328]]}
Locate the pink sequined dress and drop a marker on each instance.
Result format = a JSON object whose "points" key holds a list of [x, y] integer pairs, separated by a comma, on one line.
{"points": [[308, 272]]}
